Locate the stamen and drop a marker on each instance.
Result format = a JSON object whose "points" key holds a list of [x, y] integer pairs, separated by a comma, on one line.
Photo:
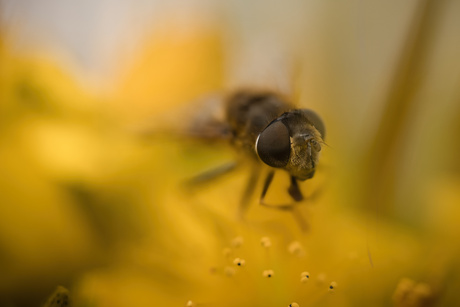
{"points": [[295, 248], [229, 271], [60, 297], [266, 242], [268, 273], [237, 242], [411, 293], [304, 277], [332, 286], [239, 262], [226, 252]]}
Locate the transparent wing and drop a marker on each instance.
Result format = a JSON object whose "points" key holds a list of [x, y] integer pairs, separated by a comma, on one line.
{"points": [[202, 119]]}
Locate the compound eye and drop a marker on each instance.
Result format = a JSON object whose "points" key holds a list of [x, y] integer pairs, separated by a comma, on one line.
{"points": [[316, 121], [273, 145]]}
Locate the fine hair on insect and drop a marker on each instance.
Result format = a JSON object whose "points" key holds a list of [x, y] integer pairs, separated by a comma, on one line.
{"points": [[264, 126]]}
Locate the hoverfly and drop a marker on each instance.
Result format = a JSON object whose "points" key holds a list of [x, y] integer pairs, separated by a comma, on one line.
{"points": [[266, 127]]}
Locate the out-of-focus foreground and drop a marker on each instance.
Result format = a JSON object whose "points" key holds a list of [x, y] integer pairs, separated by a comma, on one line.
{"points": [[89, 203]]}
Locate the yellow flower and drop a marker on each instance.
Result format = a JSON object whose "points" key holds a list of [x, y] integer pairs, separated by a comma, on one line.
{"points": [[88, 204]]}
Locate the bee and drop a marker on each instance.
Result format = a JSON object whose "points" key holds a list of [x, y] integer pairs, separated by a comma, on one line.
{"points": [[266, 127]]}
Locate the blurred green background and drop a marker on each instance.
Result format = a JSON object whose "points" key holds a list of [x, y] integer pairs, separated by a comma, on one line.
{"points": [[88, 203]]}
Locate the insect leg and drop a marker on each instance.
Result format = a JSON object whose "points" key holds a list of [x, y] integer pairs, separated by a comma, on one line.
{"points": [[295, 193], [268, 181], [211, 174], [294, 190], [252, 181], [300, 219]]}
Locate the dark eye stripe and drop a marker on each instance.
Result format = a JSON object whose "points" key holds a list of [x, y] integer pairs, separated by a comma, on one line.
{"points": [[274, 145]]}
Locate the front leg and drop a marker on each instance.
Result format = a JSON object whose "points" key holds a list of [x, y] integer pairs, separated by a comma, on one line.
{"points": [[268, 181], [209, 175], [295, 191], [249, 190]]}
